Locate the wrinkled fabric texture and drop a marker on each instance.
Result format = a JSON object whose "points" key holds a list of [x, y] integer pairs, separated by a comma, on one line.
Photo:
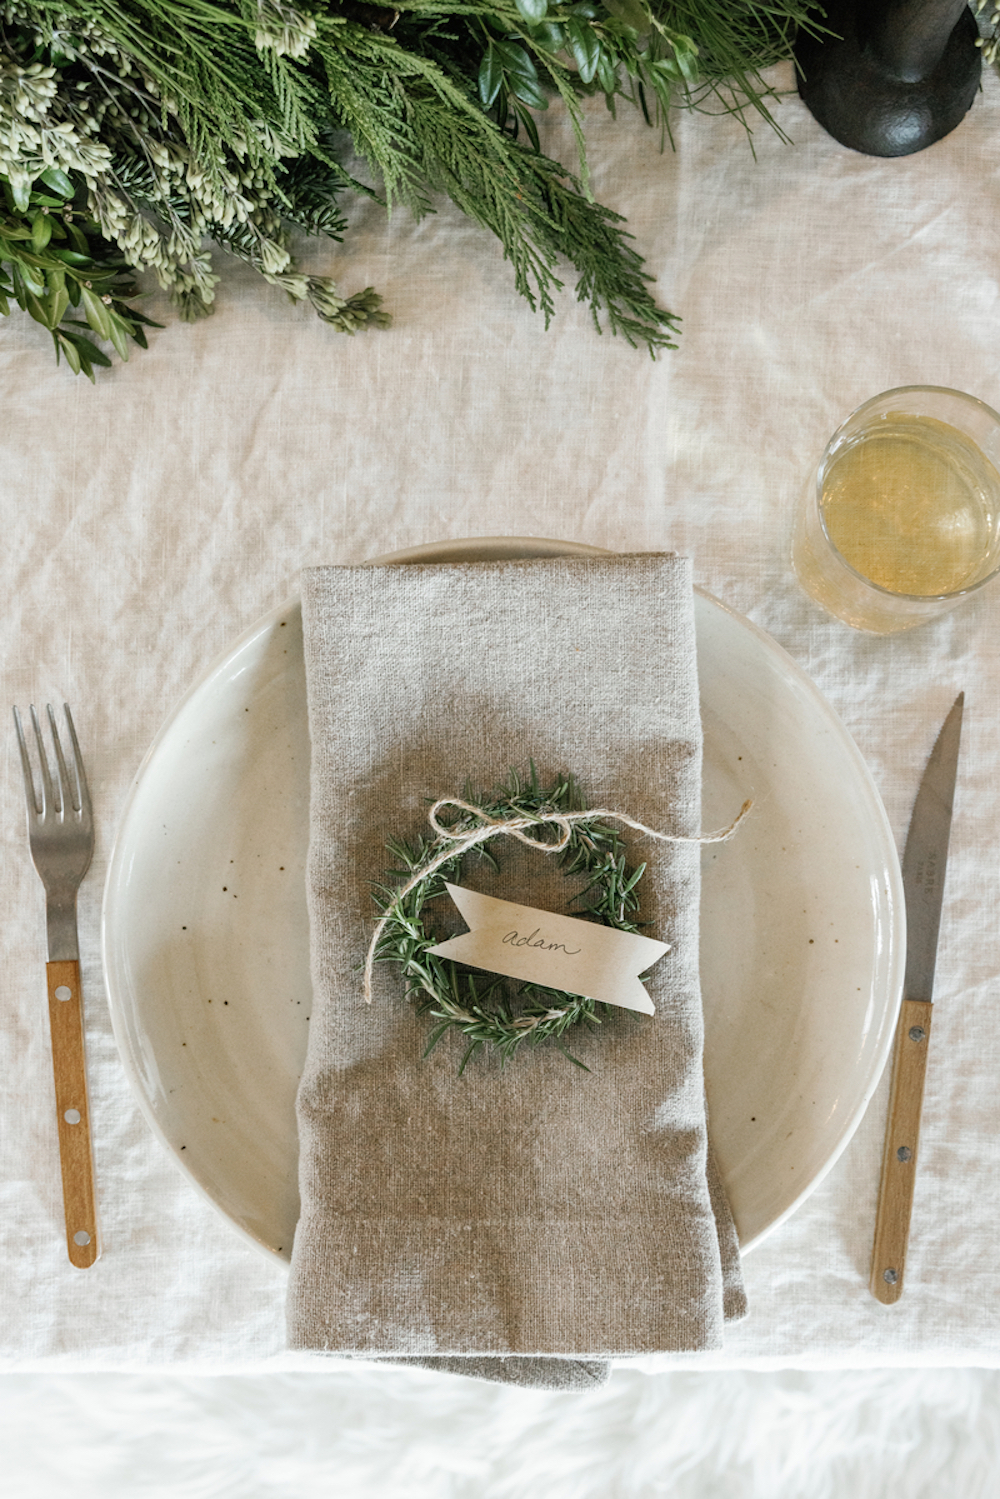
{"points": [[537, 1208], [151, 518]]}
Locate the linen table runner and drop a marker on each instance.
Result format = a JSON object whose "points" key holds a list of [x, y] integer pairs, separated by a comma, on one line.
{"points": [[526, 1222]]}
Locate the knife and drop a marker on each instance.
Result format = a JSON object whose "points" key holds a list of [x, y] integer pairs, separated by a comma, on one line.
{"points": [[924, 861]]}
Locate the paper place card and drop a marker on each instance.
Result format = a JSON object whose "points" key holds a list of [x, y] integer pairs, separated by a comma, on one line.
{"points": [[561, 952]]}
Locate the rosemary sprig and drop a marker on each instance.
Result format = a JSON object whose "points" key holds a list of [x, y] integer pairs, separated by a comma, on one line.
{"points": [[490, 1011]]}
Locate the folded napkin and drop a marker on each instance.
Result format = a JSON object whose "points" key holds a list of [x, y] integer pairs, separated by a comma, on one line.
{"points": [[528, 1222]]}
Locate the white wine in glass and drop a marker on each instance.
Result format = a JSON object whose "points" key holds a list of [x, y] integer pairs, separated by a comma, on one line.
{"points": [[902, 519]]}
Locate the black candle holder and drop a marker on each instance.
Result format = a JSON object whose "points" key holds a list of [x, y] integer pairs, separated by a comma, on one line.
{"points": [[895, 76]]}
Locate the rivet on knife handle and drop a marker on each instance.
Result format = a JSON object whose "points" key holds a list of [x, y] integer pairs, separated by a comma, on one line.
{"points": [[899, 1159], [70, 1073]]}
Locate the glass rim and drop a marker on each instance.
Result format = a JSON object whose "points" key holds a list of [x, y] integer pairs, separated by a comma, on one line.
{"points": [[888, 593]]}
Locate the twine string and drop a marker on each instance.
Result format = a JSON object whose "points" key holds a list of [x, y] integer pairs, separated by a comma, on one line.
{"points": [[458, 842]]}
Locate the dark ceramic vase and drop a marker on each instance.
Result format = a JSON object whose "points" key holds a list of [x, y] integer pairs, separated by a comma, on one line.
{"points": [[896, 76]]}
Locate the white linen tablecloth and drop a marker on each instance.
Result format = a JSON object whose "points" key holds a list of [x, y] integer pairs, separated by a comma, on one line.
{"points": [[147, 521]]}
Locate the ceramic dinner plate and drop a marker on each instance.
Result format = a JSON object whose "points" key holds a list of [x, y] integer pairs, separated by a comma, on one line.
{"points": [[206, 939]]}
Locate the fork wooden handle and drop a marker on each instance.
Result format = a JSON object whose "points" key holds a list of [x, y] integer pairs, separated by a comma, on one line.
{"points": [[69, 1069], [899, 1157]]}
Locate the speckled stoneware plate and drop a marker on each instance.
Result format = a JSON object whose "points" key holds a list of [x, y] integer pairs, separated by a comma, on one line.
{"points": [[206, 941]]}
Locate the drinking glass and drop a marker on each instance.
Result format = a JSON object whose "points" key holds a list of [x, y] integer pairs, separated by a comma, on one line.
{"points": [[901, 519]]}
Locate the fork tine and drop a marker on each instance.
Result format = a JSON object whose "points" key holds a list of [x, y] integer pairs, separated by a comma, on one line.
{"points": [[82, 802], [29, 780], [48, 790], [62, 769]]}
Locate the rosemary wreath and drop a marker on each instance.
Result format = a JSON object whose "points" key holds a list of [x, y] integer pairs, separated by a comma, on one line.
{"points": [[488, 1010]]}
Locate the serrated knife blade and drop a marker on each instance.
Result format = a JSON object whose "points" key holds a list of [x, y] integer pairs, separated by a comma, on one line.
{"points": [[925, 859]]}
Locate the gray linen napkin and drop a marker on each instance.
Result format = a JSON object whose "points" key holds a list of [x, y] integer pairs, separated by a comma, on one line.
{"points": [[526, 1223]]}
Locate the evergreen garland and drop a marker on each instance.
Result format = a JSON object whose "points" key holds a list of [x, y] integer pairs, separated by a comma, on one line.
{"points": [[134, 132]]}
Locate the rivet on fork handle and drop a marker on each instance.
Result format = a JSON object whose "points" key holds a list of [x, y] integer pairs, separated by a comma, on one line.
{"points": [[69, 1071]]}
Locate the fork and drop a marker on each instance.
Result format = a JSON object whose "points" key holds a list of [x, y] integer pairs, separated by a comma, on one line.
{"points": [[61, 839]]}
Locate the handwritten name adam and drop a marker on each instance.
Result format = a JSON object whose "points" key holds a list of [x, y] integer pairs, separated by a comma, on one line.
{"points": [[514, 939], [557, 952]]}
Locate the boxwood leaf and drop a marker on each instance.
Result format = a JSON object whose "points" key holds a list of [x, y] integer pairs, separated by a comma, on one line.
{"points": [[631, 12], [687, 58], [549, 35], [39, 309], [118, 337], [64, 346], [522, 77], [490, 75], [41, 231], [59, 181], [585, 47], [97, 312], [89, 351], [71, 257]]}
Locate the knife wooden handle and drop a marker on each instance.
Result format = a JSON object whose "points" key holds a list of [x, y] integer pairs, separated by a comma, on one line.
{"points": [[69, 1070], [899, 1158]]}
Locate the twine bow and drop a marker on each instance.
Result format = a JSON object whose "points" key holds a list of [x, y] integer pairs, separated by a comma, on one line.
{"points": [[458, 842]]}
